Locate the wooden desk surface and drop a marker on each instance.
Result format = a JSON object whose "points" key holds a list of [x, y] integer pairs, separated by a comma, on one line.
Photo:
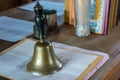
{"points": [[65, 34]]}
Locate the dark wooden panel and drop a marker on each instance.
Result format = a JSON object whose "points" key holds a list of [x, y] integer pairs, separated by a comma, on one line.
{"points": [[6, 4]]}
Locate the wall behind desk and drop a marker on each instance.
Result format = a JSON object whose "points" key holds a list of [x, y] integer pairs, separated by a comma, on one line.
{"points": [[7, 4]]}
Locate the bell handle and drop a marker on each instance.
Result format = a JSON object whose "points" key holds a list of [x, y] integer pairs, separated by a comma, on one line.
{"points": [[41, 28], [40, 21]]}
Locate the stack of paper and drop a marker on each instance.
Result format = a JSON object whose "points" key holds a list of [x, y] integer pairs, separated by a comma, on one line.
{"points": [[78, 63], [12, 29], [59, 7]]}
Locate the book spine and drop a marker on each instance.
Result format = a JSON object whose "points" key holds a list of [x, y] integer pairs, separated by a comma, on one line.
{"points": [[97, 10], [66, 11], [72, 13], [115, 13], [112, 7], [105, 25]]}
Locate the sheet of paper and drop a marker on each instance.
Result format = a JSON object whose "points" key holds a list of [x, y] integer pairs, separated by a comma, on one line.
{"points": [[80, 50], [12, 29], [59, 7], [14, 63]]}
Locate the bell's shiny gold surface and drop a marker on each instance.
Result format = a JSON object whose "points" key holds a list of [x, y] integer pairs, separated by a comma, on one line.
{"points": [[44, 60]]}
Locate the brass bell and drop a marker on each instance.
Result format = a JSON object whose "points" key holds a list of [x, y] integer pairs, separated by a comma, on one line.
{"points": [[44, 60]]}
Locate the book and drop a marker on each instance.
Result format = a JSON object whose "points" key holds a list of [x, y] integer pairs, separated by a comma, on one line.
{"points": [[66, 10], [106, 16], [97, 10], [115, 13], [118, 9], [96, 24], [78, 63], [111, 14], [71, 13], [118, 13]]}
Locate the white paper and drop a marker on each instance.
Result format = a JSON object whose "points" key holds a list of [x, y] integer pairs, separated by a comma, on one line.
{"points": [[12, 29], [59, 7], [14, 63], [80, 50]]}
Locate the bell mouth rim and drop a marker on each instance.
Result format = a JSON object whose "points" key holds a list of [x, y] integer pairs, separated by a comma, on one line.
{"points": [[37, 73]]}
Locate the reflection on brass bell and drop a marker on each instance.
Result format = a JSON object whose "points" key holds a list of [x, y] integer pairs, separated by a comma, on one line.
{"points": [[44, 60]]}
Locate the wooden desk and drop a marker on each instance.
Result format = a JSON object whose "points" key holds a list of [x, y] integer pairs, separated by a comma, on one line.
{"points": [[65, 34]]}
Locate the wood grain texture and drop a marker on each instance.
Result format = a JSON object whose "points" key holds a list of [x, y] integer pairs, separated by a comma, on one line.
{"points": [[65, 34], [7, 4]]}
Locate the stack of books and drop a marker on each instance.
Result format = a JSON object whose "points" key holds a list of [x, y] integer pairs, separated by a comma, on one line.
{"points": [[103, 14]]}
